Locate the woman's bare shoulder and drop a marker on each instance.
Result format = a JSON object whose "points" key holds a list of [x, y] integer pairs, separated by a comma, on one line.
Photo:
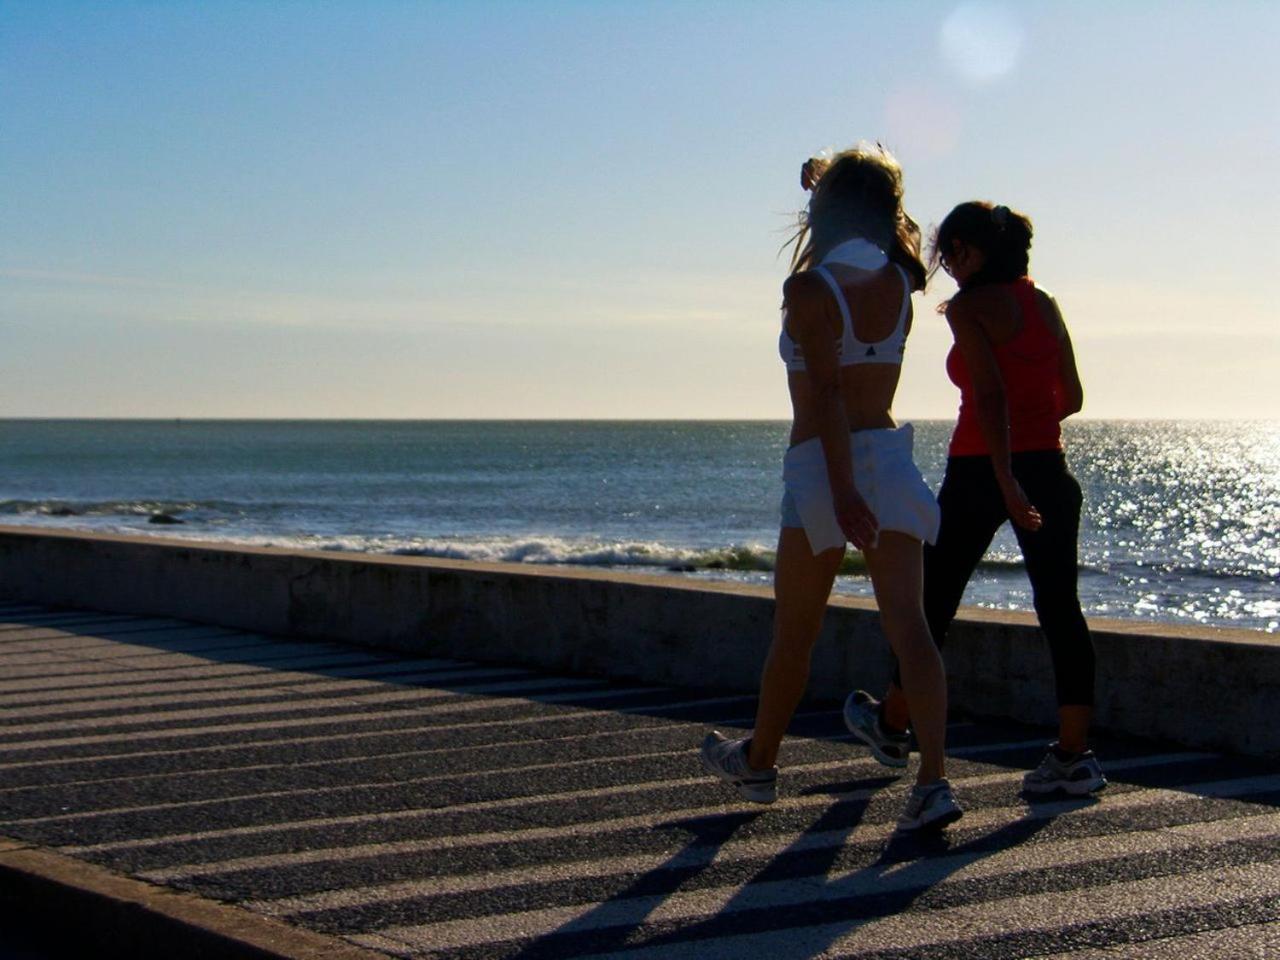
{"points": [[803, 288], [975, 303], [805, 296]]}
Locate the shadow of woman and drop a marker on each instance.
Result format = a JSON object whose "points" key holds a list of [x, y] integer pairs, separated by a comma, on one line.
{"points": [[625, 919], [804, 897], [611, 924]]}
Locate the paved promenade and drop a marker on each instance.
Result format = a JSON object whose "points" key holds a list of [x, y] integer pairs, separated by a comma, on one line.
{"points": [[429, 808]]}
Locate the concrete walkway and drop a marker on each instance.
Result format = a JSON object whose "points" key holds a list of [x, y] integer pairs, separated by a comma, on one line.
{"points": [[280, 798]]}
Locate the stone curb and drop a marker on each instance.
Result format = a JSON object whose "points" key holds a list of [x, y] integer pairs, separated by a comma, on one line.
{"points": [[73, 904]]}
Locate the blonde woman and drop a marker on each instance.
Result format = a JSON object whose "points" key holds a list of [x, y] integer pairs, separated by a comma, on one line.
{"points": [[848, 475]]}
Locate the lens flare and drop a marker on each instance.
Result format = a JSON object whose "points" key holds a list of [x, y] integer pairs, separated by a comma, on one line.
{"points": [[922, 121], [981, 41]]}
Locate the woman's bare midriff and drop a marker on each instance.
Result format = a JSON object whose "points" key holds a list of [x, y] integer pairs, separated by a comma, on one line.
{"points": [[868, 396], [867, 388]]}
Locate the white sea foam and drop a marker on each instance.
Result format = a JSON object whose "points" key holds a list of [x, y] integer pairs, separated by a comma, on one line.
{"points": [[563, 550]]}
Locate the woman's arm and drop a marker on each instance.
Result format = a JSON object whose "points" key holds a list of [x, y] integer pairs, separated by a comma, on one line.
{"points": [[1070, 392], [964, 315], [810, 324]]}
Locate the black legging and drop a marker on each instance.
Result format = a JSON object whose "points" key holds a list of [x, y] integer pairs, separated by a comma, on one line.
{"points": [[972, 512]]}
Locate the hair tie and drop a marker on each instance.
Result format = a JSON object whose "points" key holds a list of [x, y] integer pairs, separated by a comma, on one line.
{"points": [[1000, 217]]}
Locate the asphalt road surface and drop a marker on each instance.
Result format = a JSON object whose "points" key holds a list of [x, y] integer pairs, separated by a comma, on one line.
{"points": [[433, 808]]}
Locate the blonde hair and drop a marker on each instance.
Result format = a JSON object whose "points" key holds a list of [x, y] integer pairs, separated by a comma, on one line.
{"points": [[858, 194]]}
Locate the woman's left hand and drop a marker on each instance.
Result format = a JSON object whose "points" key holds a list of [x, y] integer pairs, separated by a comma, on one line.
{"points": [[1019, 506], [856, 520]]}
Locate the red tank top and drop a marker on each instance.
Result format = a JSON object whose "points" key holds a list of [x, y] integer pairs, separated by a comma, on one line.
{"points": [[1029, 366]]}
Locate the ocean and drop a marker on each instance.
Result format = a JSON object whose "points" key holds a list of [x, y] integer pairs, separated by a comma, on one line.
{"points": [[1181, 524]]}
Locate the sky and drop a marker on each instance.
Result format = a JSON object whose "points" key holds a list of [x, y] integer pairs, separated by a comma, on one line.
{"points": [[575, 209]]}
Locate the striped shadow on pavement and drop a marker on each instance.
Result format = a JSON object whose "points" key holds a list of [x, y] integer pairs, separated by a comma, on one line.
{"points": [[457, 810]]}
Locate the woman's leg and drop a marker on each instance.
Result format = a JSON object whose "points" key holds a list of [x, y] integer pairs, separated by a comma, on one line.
{"points": [[896, 574], [802, 583], [972, 511], [1051, 558]]}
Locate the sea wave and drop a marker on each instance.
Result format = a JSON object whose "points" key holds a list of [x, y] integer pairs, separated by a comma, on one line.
{"points": [[593, 553], [107, 508], [228, 522], [123, 516], [551, 550], [742, 558]]}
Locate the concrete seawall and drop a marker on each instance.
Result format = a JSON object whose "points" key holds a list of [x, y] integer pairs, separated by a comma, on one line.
{"points": [[1205, 687]]}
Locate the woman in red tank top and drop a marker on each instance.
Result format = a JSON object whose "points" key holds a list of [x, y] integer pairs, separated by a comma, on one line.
{"points": [[1031, 376], [1016, 371]]}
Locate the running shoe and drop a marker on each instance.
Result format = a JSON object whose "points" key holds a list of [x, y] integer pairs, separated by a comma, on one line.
{"points": [[1078, 776], [727, 759], [862, 717], [929, 807]]}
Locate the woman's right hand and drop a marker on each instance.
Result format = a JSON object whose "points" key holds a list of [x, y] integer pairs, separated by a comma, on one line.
{"points": [[856, 520], [1020, 508]]}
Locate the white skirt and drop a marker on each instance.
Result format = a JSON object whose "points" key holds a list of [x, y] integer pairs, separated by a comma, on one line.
{"points": [[884, 473]]}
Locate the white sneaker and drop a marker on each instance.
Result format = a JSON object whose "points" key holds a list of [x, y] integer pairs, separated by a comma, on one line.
{"points": [[862, 717], [929, 807], [1078, 776], [727, 759]]}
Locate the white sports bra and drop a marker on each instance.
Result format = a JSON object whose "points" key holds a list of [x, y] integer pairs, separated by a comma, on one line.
{"points": [[864, 255]]}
